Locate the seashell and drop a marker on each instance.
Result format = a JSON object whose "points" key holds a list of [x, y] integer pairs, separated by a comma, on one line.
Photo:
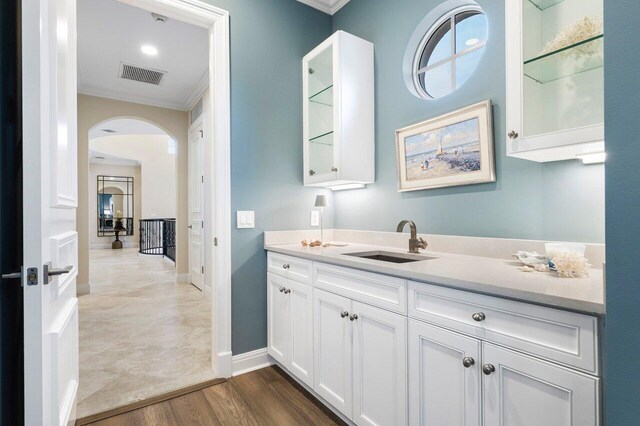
{"points": [[530, 258], [305, 243]]}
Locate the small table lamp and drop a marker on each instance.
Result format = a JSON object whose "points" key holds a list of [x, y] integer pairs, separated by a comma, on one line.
{"points": [[321, 201]]}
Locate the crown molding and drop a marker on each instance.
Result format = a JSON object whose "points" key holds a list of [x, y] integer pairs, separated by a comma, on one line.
{"points": [[120, 96], [325, 5]]}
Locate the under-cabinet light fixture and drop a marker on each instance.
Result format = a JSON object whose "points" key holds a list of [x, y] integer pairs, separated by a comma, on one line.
{"points": [[347, 186], [592, 157]]}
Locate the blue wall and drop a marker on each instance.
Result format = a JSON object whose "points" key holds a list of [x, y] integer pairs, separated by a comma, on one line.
{"points": [[563, 201], [268, 41], [622, 117]]}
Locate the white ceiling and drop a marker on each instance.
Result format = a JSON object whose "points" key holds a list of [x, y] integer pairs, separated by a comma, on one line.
{"points": [[110, 32], [327, 6]]}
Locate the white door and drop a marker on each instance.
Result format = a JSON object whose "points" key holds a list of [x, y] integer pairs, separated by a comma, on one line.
{"points": [[50, 201], [196, 203], [444, 377], [379, 366], [526, 391], [332, 376], [277, 315], [300, 300]]}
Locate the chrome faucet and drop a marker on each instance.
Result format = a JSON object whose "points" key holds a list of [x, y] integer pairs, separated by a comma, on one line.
{"points": [[415, 243]]}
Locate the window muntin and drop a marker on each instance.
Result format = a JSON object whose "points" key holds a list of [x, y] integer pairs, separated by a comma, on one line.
{"points": [[450, 52]]}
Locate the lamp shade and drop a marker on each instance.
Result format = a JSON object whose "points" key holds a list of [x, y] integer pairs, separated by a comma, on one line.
{"points": [[321, 201]]}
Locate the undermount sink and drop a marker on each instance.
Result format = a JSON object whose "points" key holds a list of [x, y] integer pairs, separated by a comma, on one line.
{"points": [[390, 256]]}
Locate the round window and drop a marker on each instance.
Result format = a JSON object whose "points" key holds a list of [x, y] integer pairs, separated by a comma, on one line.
{"points": [[445, 49]]}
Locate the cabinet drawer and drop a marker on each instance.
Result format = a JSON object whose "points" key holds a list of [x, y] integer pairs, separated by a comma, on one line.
{"points": [[561, 336], [289, 267], [375, 289]]}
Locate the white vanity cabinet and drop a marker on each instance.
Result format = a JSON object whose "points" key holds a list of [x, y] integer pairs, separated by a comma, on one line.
{"points": [[527, 391], [338, 113], [360, 359], [290, 325], [382, 350], [555, 92], [443, 390]]}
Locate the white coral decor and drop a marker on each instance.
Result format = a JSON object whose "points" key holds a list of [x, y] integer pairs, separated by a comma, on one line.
{"points": [[571, 265], [582, 29]]}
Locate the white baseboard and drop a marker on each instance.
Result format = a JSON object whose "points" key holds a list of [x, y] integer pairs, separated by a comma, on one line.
{"points": [[250, 361], [182, 278], [83, 289]]}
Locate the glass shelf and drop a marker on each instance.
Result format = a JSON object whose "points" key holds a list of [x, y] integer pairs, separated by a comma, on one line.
{"points": [[544, 4], [324, 139], [571, 60], [323, 97]]}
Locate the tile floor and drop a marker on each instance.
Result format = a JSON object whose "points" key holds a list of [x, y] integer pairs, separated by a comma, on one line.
{"points": [[141, 333]]}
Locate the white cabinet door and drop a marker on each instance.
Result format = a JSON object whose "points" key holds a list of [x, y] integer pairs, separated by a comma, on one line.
{"points": [[277, 320], [527, 391], [379, 366], [300, 300], [332, 349], [444, 377]]}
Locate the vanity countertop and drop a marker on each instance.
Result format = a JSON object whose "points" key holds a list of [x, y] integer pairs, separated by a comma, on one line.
{"points": [[498, 277]]}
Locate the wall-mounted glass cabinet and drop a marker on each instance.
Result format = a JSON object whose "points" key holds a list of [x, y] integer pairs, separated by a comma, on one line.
{"points": [[338, 107], [555, 79]]}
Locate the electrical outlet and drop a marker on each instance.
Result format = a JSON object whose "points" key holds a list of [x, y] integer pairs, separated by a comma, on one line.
{"points": [[315, 218]]}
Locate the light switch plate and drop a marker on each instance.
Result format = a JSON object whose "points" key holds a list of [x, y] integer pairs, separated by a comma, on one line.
{"points": [[245, 219], [315, 218]]}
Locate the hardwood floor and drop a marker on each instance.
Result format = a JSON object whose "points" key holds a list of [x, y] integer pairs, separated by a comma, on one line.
{"points": [[263, 397]]}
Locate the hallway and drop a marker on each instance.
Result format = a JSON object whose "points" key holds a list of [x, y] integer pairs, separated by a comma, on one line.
{"points": [[141, 333]]}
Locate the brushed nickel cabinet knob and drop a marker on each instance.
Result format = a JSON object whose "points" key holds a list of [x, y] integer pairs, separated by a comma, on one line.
{"points": [[488, 369], [513, 134], [467, 361], [281, 289], [479, 316], [344, 314], [312, 172], [353, 317], [287, 290]]}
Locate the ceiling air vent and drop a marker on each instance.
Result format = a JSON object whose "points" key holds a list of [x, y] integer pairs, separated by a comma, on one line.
{"points": [[143, 75]]}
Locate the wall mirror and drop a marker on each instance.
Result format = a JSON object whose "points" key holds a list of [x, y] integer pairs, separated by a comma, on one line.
{"points": [[115, 201]]}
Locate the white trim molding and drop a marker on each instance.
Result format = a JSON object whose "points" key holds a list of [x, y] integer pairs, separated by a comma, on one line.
{"points": [[326, 6], [251, 361], [217, 174]]}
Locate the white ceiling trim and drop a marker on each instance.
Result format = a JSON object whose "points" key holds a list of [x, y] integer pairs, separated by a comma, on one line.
{"points": [[326, 6], [126, 97], [198, 91]]}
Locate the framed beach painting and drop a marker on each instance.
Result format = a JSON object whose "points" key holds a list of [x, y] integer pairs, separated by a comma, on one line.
{"points": [[450, 150]]}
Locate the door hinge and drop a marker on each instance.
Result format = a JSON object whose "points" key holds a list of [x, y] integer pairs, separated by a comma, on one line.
{"points": [[202, 269], [202, 224], [202, 179], [215, 241], [202, 133]]}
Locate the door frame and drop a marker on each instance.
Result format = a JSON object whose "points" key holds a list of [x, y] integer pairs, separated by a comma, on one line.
{"points": [[217, 168]]}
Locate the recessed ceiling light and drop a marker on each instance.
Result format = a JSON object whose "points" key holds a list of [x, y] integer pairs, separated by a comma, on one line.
{"points": [[472, 42], [149, 50]]}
